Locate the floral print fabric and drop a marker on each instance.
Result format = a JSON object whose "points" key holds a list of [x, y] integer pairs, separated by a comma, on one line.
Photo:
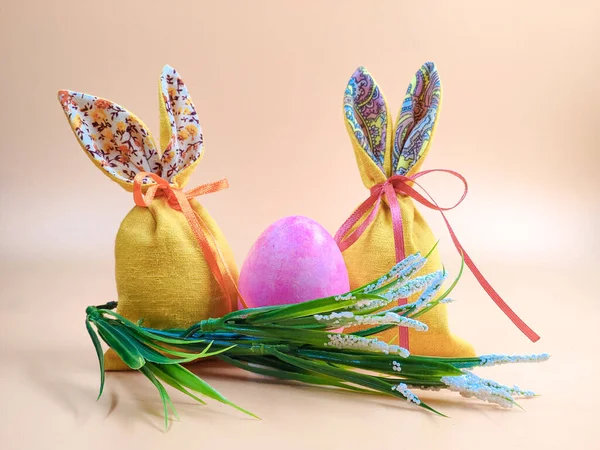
{"points": [[366, 113], [122, 145], [416, 118], [367, 116]]}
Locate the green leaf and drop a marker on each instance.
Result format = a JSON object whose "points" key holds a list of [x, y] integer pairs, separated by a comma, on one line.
{"points": [[248, 312], [195, 383], [203, 354], [164, 395], [291, 374], [144, 332], [368, 381], [408, 263], [432, 249], [373, 330], [153, 356], [445, 294], [144, 347], [99, 353], [279, 334], [384, 363], [121, 344], [308, 308], [162, 375], [147, 347]]}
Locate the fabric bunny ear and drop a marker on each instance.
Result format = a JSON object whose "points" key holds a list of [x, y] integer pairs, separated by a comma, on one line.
{"points": [[115, 139], [180, 132], [367, 115], [417, 119]]}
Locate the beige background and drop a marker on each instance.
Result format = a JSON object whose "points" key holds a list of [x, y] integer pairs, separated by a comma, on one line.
{"points": [[519, 121]]}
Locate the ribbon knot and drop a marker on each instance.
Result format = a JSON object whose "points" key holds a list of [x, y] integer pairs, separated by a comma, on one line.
{"points": [[402, 185], [394, 183], [168, 193], [180, 201]]}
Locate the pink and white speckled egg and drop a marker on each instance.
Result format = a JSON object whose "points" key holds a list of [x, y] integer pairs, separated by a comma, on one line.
{"points": [[294, 260]]}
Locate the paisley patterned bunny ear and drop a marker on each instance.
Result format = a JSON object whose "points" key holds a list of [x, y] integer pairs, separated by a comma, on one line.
{"points": [[180, 132], [417, 119], [367, 115], [115, 139]]}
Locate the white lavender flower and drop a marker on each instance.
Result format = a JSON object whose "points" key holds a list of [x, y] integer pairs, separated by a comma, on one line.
{"points": [[397, 350], [396, 367], [402, 271], [424, 301], [447, 300], [334, 316], [352, 342], [344, 297], [470, 385], [415, 285], [348, 318], [390, 318], [407, 393], [514, 390], [498, 359], [370, 304], [426, 388]]}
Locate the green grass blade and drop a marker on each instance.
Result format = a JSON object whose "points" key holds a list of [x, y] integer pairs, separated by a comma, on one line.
{"points": [[195, 383], [145, 348], [383, 363], [99, 353], [122, 345], [248, 312], [279, 334], [373, 330], [348, 375], [444, 295], [291, 375], [163, 376], [144, 332], [171, 351], [164, 395], [309, 308], [409, 267]]}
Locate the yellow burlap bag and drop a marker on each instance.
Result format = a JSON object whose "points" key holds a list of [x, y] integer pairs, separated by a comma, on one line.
{"points": [[163, 273], [382, 152]]}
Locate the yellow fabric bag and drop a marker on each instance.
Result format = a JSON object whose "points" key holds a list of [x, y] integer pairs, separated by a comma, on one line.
{"points": [[383, 151], [162, 273]]}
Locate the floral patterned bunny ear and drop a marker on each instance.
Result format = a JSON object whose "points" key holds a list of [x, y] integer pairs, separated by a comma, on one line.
{"points": [[122, 146], [416, 120], [367, 116], [115, 139], [180, 132]]}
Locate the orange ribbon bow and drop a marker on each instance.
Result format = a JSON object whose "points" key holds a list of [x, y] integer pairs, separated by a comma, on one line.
{"points": [[180, 201]]}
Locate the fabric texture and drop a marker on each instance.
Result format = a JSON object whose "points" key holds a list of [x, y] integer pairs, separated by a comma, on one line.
{"points": [[162, 276], [381, 152]]}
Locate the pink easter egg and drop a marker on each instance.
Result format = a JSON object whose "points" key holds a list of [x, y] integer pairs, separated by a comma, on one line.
{"points": [[294, 260]]}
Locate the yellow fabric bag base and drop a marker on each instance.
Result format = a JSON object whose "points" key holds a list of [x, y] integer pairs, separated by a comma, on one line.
{"points": [[372, 256], [161, 273]]}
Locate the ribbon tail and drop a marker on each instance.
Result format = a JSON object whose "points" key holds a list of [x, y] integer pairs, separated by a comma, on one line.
{"points": [[344, 241], [209, 251], [520, 324], [208, 188], [225, 266], [392, 199]]}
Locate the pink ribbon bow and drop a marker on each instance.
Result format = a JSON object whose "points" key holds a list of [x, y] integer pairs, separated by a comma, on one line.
{"points": [[399, 184]]}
